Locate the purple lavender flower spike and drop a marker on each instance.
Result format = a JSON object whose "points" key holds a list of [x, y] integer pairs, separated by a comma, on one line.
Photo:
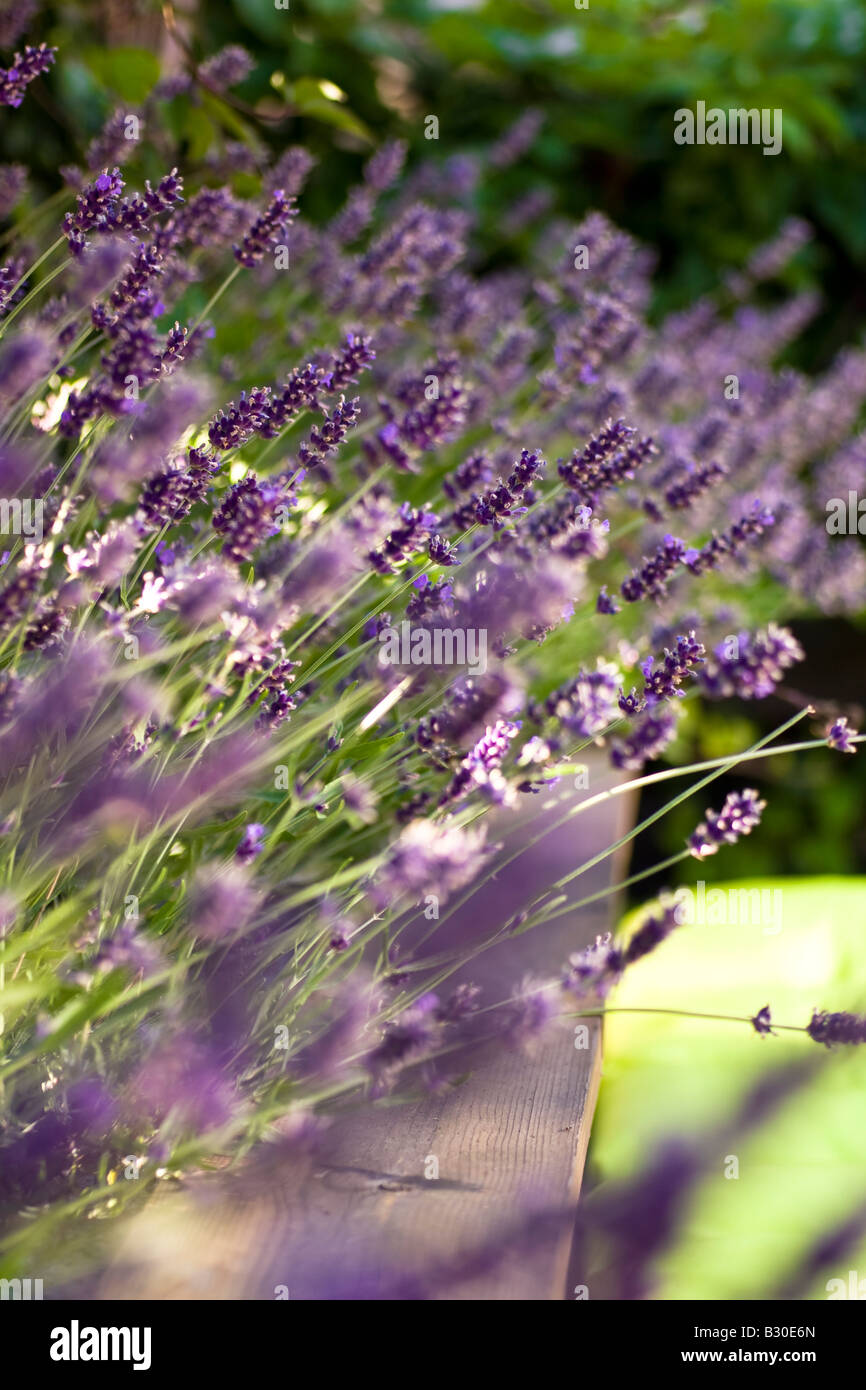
{"points": [[654, 730], [663, 682], [730, 543], [739, 816], [593, 972], [652, 933], [384, 167], [587, 704], [827, 1028], [752, 664], [26, 67], [654, 575], [267, 230], [227, 68]]}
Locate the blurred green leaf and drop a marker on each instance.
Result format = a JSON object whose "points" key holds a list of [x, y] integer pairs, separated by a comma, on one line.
{"points": [[307, 97], [130, 72], [801, 1172]]}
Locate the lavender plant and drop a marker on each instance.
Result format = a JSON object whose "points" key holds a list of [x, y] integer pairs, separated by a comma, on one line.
{"points": [[282, 626]]}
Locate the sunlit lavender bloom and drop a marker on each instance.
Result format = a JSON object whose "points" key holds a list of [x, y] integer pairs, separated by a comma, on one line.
{"points": [[483, 760], [503, 501], [326, 438], [663, 682], [840, 735], [26, 67], [403, 540], [830, 1028], [101, 208], [227, 68], [751, 665], [739, 816], [10, 275], [246, 516], [212, 217], [470, 704], [234, 425], [300, 391], [490, 750], [583, 470], [437, 421]]}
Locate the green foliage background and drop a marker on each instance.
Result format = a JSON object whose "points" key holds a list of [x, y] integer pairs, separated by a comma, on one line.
{"points": [[608, 79]]}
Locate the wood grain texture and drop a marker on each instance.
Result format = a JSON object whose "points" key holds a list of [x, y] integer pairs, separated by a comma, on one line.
{"points": [[359, 1217]]}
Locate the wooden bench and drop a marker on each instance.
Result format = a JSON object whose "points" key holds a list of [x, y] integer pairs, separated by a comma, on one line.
{"points": [[360, 1212]]}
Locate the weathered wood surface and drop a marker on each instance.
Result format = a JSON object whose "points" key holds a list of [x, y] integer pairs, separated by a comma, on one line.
{"points": [[360, 1212]]}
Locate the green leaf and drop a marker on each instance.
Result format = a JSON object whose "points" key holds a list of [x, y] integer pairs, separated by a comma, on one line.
{"points": [[266, 20], [130, 72], [307, 97]]}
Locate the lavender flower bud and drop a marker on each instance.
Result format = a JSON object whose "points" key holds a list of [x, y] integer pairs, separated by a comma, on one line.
{"points": [[830, 1028], [840, 735]]}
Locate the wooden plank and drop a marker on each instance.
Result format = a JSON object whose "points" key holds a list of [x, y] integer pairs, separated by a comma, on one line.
{"points": [[360, 1213]]}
